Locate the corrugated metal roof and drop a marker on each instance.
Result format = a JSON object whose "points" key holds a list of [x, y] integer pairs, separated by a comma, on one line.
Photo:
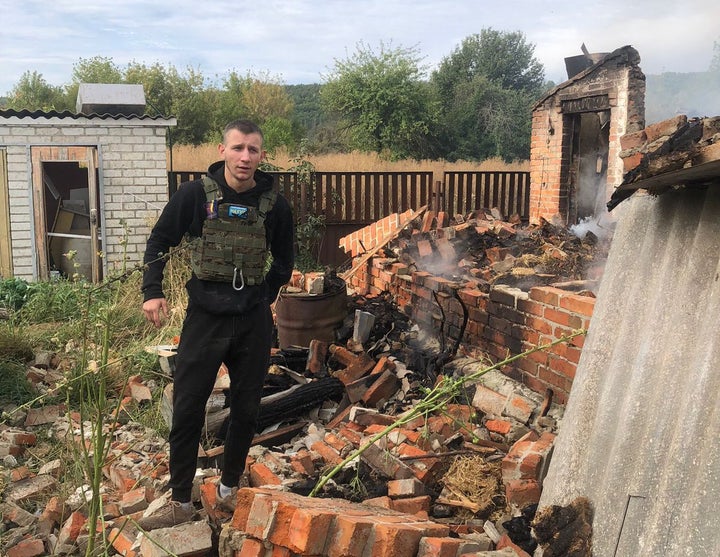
{"points": [[640, 433], [40, 114]]}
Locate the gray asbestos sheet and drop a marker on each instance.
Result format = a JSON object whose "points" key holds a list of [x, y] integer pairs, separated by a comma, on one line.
{"points": [[640, 435]]}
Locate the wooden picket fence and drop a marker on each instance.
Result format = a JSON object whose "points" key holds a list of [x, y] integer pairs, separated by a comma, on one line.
{"points": [[349, 201]]}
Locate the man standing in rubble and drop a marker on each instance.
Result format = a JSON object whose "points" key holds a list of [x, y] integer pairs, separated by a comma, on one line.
{"points": [[232, 219]]}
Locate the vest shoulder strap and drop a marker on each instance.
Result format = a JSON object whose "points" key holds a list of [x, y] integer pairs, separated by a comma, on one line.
{"points": [[212, 189], [266, 202]]}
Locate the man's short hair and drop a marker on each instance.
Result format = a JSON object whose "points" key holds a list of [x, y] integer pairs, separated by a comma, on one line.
{"points": [[243, 126]]}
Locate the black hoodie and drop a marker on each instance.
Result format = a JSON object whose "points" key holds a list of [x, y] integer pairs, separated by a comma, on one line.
{"points": [[185, 214]]}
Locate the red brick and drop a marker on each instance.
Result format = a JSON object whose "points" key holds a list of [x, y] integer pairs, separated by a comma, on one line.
{"points": [[245, 499], [470, 296], [522, 492], [122, 540], [348, 536], [71, 528], [383, 502], [562, 367], [329, 455], [419, 506], [262, 475], [666, 127], [632, 161], [55, 510], [302, 463], [18, 437], [584, 305], [530, 466], [251, 548], [546, 294], [308, 531], [27, 548], [633, 140], [395, 540], [279, 522], [424, 248], [382, 389], [261, 517], [498, 426], [562, 318], [337, 443], [134, 500], [19, 473], [409, 487], [438, 547], [280, 551]]}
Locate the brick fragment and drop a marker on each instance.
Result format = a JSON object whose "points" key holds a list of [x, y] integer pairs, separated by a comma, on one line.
{"points": [[262, 475], [183, 540], [409, 487], [438, 547], [308, 531], [27, 548], [122, 540], [348, 537], [71, 528]]}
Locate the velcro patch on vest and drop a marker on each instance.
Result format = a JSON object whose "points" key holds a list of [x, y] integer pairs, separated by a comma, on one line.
{"points": [[238, 211]]}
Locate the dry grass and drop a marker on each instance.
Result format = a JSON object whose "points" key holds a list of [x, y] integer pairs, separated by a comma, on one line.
{"points": [[187, 157]]}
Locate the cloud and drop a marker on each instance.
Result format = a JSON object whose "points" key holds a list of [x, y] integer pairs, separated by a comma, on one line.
{"points": [[299, 40]]}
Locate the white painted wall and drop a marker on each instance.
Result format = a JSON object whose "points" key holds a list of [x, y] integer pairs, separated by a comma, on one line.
{"points": [[132, 173]]}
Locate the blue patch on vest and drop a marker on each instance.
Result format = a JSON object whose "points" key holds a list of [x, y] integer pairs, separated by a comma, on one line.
{"points": [[238, 211]]}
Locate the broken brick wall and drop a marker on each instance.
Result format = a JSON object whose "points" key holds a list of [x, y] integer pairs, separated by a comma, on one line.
{"points": [[616, 84], [361, 240], [503, 322]]}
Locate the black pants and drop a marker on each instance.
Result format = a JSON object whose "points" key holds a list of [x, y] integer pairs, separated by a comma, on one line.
{"points": [[207, 340]]}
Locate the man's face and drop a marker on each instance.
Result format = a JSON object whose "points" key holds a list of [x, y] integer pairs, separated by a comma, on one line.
{"points": [[242, 154]]}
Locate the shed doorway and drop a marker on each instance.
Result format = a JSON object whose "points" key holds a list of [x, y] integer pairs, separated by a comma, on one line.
{"points": [[68, 231]]}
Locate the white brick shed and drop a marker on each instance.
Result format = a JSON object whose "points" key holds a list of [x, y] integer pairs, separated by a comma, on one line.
{"points": [[70, 181]]}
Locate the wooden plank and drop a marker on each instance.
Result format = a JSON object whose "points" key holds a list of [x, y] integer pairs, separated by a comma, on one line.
{"points": [[277, 437]]}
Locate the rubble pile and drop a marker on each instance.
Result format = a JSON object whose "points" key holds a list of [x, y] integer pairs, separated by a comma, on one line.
{"points": [[483, 249], [452, 478]]}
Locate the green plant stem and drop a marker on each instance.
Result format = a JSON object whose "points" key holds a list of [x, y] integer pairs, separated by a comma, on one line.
{"points": [[438, 397]]}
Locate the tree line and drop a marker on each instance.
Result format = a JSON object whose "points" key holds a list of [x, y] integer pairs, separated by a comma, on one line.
{"points": [[474, 105]]}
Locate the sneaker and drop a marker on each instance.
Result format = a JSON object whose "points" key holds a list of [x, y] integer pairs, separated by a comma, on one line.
{"points": [[228, 503], [170, 514]]}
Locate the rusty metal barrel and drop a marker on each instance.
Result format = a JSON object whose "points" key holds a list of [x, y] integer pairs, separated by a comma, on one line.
{"points": [[302, 317]]}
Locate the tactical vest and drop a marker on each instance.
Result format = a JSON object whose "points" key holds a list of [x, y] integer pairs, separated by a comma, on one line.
{"points": [[233, 246]]}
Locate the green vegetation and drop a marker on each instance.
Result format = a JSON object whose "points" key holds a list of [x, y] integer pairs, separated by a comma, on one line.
{"points": [[99, 335], [379, 100], [475, 105]]}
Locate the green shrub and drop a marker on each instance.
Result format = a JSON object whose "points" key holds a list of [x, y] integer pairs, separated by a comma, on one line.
{"points": [[14, 293]]}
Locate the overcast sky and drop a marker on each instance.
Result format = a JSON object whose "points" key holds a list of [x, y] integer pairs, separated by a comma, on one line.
{"points": [[298, 40]]}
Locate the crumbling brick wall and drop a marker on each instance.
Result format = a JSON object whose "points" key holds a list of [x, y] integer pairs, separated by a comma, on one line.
{"points": [[502, 323], [616, 83]]}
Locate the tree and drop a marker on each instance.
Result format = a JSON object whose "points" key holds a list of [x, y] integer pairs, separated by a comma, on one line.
{"points": [[32, 92], [486, 88], [97, 69], [263, 99], [382, 102], [168, 92]]}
